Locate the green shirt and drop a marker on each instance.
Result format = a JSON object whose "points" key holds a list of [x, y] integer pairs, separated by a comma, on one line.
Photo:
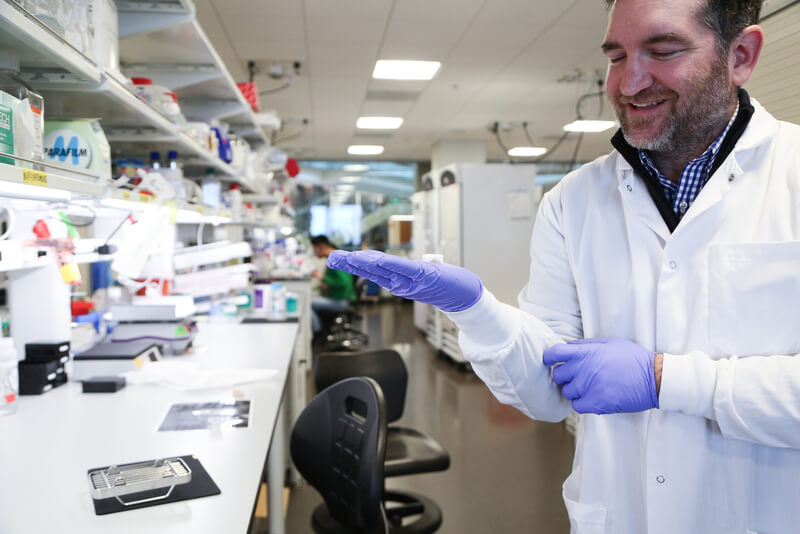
{"points": [[340, 285]]}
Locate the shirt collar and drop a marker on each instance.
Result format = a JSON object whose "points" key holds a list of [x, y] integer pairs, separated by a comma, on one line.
{"points": [[708, 156]]}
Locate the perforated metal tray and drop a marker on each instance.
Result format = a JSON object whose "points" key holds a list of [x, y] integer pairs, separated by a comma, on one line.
{"points": [[118, 481]]}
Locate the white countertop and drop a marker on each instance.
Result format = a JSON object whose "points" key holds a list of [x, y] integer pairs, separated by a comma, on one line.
{"points": [[47, 447]]}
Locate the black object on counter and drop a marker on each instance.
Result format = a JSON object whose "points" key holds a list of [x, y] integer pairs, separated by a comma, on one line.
{"points": [[103, 384]]}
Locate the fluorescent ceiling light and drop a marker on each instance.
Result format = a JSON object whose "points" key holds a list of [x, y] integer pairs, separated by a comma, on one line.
{"points": [[392, 69], [589, 126], [355, 167], [379, 123], [345, 187], [287, 230], [527, 151], [350, 179], [365, 150]]}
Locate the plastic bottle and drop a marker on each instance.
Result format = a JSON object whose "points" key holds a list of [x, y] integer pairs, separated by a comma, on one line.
{"points": [[235, 197], [278, 299], [23, 107], [9, 378]]}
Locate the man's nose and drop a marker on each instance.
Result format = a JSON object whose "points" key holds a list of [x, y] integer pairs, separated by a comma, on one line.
{"points": [[636, 77]]}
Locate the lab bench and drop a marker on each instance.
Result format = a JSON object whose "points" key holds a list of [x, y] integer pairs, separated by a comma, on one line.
{"points": [[47, 447]]}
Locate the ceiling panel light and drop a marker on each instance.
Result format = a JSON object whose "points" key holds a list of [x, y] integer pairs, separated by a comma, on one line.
{"points": [[527, 151], [589, 126], [392, 69], [365, 150], [350, 179], [356, 167], [379, 123]]}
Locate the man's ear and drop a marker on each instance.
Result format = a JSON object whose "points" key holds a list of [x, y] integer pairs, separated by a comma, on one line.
{"points": [[744, 54]]}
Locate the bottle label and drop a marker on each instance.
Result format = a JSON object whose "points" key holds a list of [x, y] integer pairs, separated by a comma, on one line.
{"points": [[10, 398]]}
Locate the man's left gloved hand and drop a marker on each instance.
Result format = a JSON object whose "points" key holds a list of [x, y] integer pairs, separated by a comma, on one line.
{"points": [[602, 376]]}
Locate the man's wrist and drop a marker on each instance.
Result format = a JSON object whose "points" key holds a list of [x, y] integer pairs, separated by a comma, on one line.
{"points": [[658, 367]]}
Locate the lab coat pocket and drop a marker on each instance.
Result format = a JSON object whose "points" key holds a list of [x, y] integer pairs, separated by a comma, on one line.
{"points": [[583, 518], [754, 298]]}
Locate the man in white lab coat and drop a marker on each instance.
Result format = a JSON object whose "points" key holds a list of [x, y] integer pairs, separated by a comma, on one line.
{"points": [[672, 269]]}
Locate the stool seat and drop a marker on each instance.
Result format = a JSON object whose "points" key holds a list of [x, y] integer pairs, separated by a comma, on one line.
{"points": [[410, 452], [400, 506]]}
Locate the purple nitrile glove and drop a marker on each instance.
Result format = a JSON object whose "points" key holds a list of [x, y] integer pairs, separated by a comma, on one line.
{"points": [[602, 376], [446, 287]]}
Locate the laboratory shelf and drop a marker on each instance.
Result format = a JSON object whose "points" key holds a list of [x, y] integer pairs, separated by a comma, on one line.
{"points": [[185, 213], [219, 252], [137, 16], [188, 64], [42, 50], [121, 110], [45, 185], [74, 87]]}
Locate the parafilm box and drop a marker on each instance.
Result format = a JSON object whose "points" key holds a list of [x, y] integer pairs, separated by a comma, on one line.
{"points": [[78, 144]]}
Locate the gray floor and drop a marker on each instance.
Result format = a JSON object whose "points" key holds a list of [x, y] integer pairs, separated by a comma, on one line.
{"points": [[506, 470]]}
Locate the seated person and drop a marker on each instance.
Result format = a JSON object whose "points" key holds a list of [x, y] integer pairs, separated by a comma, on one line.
{"points": [[336, 286]]}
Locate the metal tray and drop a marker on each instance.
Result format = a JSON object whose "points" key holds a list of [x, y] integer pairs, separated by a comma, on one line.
{"points": [[120, 480]]}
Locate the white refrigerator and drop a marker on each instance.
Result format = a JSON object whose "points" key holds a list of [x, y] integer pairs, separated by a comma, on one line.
{"points": [[486, 214]]}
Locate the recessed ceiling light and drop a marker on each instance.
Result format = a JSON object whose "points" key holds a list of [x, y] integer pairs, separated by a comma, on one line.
{"points": [[527, 151], [379, 123], [350, 179], [589, 126], [393, 69], [355, 167], [365, 150]]}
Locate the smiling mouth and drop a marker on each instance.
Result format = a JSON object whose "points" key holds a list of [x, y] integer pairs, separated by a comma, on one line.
{"points": [[647, 105]]}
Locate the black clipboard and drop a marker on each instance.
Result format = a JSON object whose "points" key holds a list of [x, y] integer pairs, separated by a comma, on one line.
{"points": [[201, 486]]}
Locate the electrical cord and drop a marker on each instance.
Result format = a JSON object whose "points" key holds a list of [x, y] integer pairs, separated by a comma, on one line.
{"points": [[105, 248], [555, 147], [72, 205], [275, 141], [527, 134], [495, 129], [575, 154], [600, 93]]}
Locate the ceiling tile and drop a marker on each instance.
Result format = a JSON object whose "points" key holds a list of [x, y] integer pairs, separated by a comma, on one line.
{"points": [[419, 50], [441, 11], [258, 26], [274, 8], [259, 50], [384, 108], [353, 29], [372, 9]]}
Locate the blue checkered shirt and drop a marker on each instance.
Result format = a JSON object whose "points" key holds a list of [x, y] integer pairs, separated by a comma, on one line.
{"points": [[694, 175]]}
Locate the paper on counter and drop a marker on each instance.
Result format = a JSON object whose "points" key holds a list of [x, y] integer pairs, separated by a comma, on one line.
{"points": [[184, 376]]}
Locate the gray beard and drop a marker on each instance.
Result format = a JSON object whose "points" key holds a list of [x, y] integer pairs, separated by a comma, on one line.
{"points": [[692, 128]]}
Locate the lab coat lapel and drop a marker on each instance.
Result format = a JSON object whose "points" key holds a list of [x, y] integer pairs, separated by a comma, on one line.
{"points": [[637, 198], [761, 129], [713, 192]]}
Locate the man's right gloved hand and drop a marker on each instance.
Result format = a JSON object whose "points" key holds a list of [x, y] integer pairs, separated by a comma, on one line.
{"points": [[446, 287]]}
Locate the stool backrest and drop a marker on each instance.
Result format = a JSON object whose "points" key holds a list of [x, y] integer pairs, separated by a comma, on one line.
{"points": [[385, 366], [338, 444]]}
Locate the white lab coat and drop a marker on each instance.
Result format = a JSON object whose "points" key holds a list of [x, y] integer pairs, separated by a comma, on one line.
{"points": [[720, 297]]}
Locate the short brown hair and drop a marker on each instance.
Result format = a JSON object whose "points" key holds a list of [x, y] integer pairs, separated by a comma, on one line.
{"points": [[726, 18]]}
